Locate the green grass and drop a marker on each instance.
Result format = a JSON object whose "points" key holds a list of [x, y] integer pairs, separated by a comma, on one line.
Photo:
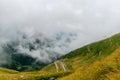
{"points": [[36, 75], [107, 68], [4, 70]]}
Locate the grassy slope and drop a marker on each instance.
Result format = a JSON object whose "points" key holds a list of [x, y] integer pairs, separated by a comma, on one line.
{"points": [[107, 68], [84, 61], [88, 54]]}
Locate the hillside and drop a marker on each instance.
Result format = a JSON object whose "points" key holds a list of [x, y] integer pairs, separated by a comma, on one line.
{"points": [[96, 61], [107, 68], [87, 55]]}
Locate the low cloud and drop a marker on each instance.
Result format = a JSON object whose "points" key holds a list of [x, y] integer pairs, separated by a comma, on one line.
{"points": [[78, 21]]}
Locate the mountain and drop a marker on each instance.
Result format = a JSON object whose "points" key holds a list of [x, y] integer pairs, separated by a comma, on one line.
{"points": [[96, 61], [85, 58], [28, 53], [20, 61]]}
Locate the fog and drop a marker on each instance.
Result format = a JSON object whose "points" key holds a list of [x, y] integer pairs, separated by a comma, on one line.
{"points": [[80, 21]]}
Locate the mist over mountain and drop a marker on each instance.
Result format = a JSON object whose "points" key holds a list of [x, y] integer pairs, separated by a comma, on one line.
{"points": [[38, 49], [45, 49]]}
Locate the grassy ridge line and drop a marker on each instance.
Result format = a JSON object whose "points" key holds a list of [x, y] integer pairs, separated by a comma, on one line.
{"points": [[88, 54], [106, 46]]}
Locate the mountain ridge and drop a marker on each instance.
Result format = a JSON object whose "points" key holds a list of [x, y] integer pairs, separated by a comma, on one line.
{"points": [[99, 61], [91, 52]]}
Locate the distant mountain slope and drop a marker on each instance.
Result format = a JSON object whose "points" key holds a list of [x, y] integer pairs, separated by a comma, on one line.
{"points": [[88, 54], [101, 47]]}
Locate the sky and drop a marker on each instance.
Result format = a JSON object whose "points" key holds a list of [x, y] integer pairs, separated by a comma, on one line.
{"points": [[86, 20]]}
